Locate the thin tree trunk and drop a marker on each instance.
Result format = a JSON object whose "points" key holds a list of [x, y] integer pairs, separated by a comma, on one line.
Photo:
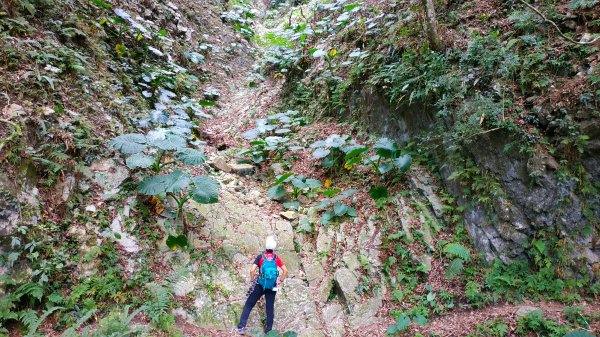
{"points": [[431, 25]]}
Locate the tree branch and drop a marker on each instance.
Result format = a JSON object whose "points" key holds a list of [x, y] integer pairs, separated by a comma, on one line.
{"points": [[537, 11]]}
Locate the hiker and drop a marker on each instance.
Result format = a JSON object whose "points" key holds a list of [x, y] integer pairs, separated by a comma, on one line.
{"points": [[265, 283]]}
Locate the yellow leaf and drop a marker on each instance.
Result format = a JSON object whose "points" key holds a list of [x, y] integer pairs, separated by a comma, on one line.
{"points": [[481, 119], [139, 37], [327, 183], [276, 75], [347, 166], [332, 52]]}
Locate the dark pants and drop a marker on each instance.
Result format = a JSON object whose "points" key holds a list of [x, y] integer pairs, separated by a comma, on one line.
{"points": [[254, 296]]}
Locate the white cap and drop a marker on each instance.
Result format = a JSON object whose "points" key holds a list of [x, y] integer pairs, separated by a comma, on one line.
{"points": [[270, 244]]}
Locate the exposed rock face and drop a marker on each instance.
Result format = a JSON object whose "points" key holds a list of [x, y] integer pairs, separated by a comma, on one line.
{"points": [[534, 196], [109, 175]]}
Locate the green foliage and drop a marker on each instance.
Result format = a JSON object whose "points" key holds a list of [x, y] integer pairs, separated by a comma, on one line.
{"points": [[475, 296], [492, 328], [157, 143], [117, 324], [160, 302], [333, 150], [460, 255], [388, 158], [402, 323], [517, 280], [174, 242], [181, 187], [335, 208], [300, 185], [579, 333], [416, 78], [241, 17], [267, 140], [582, 4], [535, 322]]}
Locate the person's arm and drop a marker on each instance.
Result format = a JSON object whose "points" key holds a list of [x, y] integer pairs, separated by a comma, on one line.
{"points": [[253, 270], [284, 269]]}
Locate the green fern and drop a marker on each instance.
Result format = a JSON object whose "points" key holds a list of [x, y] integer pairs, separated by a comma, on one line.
{"points": [[72, 331], [161, 300], [458, 250], [32, 322], [182, 281], [34, 290], [455, 268]]}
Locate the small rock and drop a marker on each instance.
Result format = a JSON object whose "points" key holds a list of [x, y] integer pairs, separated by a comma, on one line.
{"points": [[289, 215], [261, 202], [66, 187], [109, 175], [347, 283], [524, 310], [13, 110], [90, 208], [425, 260], [277, 169], [242, 169], [220, 164], [586, 37]]}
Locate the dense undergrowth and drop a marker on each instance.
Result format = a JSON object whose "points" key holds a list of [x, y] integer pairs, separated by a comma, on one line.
{"points": [[89, 71], [499, 75]]}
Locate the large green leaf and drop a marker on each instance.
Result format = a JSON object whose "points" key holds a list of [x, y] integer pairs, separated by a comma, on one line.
{"points": [[298, 183], [455, 268], [129, 143], [174, 242], [276, 192], [139, 160], [352, 212], [386, 148], [403, 163], [385, 167], [313, 183], [191, 156], [356, 152], [420, 319], [320, 152], [169, 142], [326, 217], [340, 209], [174, 182], [283, 178], [205, 191], [458, 250]]}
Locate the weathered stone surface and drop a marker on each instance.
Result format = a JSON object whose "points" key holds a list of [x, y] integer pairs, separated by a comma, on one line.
{"points": [[109, 175], [324, 240], [221, 164], [364, 314], [333, 316], [126, 241], [242, 169], [13, 111], [524, 310], [277, 169], [423, 181], [346, 282], [66, 187], [289, 215]]}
